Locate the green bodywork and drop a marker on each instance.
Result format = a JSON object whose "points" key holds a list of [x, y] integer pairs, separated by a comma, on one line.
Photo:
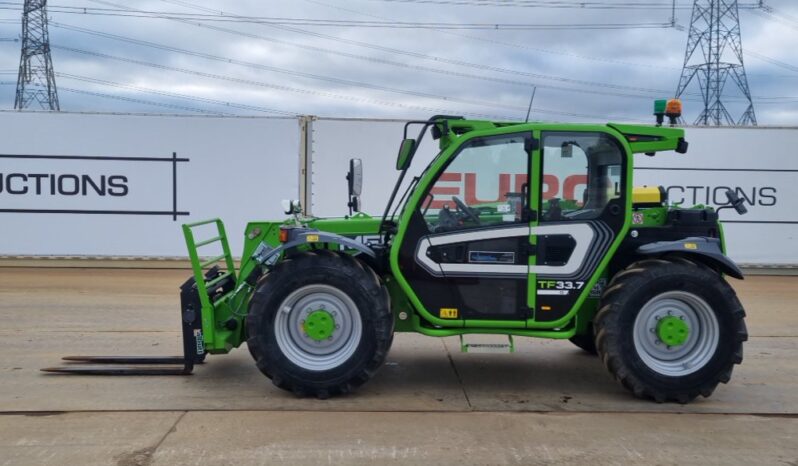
{"points": [[223, 315]]}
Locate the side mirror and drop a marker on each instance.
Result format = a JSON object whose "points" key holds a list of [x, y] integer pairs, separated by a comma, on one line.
{"points": [[355, 183], [406, 151], [291, 206], [736, 202]]}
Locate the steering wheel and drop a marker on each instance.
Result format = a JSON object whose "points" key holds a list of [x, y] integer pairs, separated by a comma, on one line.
{"points": [[467, 211]]}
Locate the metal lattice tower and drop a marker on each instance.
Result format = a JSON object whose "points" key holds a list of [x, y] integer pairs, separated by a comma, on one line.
{"points": [[36, 80], [714, 54]]}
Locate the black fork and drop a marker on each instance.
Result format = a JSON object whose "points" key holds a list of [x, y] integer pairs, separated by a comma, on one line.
{"points": [[193, 348]]}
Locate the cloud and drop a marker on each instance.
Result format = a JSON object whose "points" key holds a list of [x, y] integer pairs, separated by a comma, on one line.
{"points": [[583, 75]]}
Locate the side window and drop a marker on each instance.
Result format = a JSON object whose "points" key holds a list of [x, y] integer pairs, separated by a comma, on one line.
{"points": [[483, 186], [581, 175]]}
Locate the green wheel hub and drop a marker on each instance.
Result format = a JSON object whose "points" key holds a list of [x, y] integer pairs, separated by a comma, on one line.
{"points": [[319, 325], [672, 330]]}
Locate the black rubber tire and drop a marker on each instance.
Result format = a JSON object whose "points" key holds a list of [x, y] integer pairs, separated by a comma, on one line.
{"points": [[623, 299], [347, 274], [586, 341]]}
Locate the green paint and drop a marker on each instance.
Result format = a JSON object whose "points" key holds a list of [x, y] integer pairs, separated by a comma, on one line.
{"points": [[319, 325], [409, 313], [672, 330]]}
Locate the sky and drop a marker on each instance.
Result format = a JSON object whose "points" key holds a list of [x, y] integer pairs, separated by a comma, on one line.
{"points": [[133, 62]]}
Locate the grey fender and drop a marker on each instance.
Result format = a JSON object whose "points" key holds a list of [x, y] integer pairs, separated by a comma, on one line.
{"points": [[265, 254], [706, 250]]}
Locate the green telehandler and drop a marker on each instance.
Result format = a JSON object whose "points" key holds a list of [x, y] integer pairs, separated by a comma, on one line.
{"points": [[513, 230]]}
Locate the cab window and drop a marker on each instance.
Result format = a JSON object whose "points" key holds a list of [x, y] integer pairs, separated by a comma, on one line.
{"points": [[483, 185], [582, 173]]}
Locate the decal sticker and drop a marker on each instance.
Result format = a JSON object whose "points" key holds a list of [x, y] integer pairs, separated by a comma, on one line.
{"points": [[491, 257], [199, 341], [312, 238], [558, 287], [598, 288], [690, 246], [503, 208], [638, 218], [449, 313]]}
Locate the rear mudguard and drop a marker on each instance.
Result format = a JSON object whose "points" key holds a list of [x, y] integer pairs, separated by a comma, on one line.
{"points": [[702, 249]]}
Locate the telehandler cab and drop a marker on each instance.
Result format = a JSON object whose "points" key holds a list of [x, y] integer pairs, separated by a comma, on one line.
{"points": [[514, 229]]}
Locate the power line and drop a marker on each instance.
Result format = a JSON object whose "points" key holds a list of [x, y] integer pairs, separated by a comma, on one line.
{"points": [[398, 51], [321, 93], [771, 60], [258, 66], [343, 23], [418, 55], [436, 59], [145, 102], [781, 18], [492, 40], [580, 5], [174, 95]]}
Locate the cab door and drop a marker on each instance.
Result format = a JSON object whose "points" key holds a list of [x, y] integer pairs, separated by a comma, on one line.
{"points": [[466, 251], [581, 213]]}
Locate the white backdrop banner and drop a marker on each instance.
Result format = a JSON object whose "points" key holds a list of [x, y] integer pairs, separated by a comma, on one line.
{"points": [[761, 164], [121, 185]]}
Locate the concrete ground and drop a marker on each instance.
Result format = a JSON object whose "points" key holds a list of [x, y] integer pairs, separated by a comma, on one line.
{"points": [[430, 404]]}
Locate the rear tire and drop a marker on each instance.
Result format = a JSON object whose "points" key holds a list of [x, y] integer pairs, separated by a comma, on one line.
{"points": [[646, 307], [320, 324]]}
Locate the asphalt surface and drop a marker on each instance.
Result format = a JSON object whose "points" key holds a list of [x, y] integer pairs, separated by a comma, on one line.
{"points": [[548, 403]]}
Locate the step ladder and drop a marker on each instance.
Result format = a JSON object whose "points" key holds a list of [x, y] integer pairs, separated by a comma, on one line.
{"points": [[487, 347]]}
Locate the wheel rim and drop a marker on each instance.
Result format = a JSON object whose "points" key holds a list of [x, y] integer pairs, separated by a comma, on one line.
{"points": [[318, 327], [682, 319]]}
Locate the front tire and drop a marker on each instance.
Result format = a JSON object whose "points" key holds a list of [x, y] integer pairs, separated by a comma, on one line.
{"points": [[670, 330], [319, 324]]}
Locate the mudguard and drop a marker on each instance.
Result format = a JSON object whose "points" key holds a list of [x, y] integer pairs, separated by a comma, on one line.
{"points": [[265, 254], [707, 250]]}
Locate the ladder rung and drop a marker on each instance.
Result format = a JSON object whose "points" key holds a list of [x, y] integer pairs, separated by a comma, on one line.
{"points": [[211, 261], [208, 241], [216, 280]]}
